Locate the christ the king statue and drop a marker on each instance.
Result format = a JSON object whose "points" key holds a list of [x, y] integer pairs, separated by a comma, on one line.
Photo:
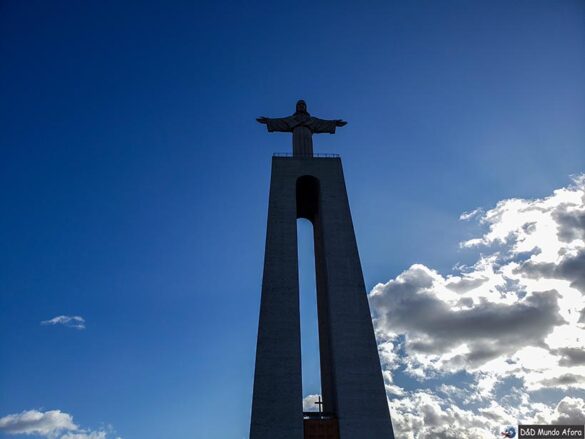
{"points": [[303, 126]]}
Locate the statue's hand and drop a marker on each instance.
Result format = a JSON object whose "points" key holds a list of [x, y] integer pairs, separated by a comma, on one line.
{"points": [[262, 119], [340, 123]]}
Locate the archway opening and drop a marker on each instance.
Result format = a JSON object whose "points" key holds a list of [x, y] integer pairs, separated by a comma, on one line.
{"points": [[307, 194], [310, 356]]}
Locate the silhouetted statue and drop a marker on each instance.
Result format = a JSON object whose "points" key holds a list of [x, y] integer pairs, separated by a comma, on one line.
{"points": [[303, 126]]}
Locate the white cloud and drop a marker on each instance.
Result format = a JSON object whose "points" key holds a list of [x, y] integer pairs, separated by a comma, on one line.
{"points": [[76, 322], [47, 423], [515, 320], [424, 415], [460, 334], [52, 424], [569, 411], [466, 216]]}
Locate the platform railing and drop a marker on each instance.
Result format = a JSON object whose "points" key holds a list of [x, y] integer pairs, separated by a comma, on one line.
{"points": [[305, 156], [319, 415]]}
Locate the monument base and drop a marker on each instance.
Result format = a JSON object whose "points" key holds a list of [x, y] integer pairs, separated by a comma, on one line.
{"points": [[320, 426]]}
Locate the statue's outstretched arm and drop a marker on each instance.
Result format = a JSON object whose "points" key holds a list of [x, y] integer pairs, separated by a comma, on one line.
{"points": [[326, 126], [277, 124]]}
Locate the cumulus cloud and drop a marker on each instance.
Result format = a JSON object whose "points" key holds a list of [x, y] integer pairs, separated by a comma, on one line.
{"points": [[569, 267], [411, 304], [465, 284], [46, 424], [76, 322], [571, 223], [424, 415], [571, 357], [569, 411], [51, 424], [513, 322]]}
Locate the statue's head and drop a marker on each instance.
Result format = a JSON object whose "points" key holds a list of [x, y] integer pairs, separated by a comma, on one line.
{"points": [[301, 106]]}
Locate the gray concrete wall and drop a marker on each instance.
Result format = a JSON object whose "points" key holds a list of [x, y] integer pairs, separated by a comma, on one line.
{"points": [[351, 376], [277, 411]]}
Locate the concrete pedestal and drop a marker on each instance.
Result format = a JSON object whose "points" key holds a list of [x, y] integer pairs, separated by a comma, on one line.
{"points": [[351, 377]]}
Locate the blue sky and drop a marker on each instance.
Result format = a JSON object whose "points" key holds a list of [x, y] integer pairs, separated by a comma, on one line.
{"points": [[134, 178]]}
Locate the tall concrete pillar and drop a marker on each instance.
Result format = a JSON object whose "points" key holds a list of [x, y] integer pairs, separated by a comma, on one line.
{"points": [[351, 377]]}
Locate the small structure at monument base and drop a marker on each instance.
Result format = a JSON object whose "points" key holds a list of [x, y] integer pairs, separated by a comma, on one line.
{"points": [[320, 426]]}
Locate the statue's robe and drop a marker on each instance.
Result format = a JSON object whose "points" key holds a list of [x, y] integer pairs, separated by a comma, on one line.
{"points": [[303, 126]]}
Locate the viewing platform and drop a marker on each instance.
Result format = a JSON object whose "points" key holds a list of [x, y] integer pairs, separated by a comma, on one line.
{"points": [[305, 156]]}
